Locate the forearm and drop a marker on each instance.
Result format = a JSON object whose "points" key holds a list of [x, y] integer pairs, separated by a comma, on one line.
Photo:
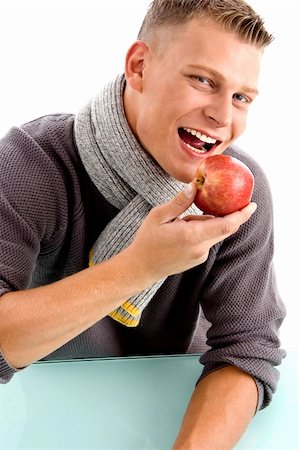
{"points": [[35, 322], [219, 411]]}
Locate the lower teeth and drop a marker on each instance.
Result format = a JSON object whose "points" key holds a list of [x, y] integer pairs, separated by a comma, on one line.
{"points": [[197, 150]]}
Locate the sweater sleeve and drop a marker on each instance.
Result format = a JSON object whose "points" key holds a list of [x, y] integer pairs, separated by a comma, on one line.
{"points": [[241, 299], [30, 190]]}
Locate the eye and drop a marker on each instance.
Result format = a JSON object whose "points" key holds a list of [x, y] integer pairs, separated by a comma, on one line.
{"points": [[242, 98], [202, 80]]}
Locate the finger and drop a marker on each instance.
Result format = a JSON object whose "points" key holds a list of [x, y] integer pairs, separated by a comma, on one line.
{"points": [[200, 217], [177, 205], [219, 228]]}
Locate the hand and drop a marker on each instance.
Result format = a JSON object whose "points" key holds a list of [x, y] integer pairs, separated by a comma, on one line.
{"points": [[166, 244]]}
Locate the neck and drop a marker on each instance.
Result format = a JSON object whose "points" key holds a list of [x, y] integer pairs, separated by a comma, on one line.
{"points": [[130, 108]]}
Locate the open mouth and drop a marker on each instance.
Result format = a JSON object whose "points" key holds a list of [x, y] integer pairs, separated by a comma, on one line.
{"points": [[196, 141]]}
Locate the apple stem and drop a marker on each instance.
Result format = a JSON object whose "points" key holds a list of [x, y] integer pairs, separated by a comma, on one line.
{"points": [[200, 182]]}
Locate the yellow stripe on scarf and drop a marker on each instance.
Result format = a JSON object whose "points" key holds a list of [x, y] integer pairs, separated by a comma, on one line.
{"points": [[128, 321]]}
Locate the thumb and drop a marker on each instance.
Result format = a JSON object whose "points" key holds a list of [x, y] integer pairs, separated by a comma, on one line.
{"points": [[178, 204]]}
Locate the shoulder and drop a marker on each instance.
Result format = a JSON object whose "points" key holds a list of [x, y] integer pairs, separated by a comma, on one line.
{"points": [[39, 171], [52, 127], [48, 135], [41, 149], [53, 134]]}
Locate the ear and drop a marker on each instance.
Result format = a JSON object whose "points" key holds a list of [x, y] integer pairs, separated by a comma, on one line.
{"points": [[135, 63]]}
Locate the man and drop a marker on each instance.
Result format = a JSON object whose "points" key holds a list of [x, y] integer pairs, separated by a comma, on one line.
{"points": [[112, 188]]}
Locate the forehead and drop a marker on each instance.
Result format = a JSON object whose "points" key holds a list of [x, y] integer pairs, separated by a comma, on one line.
{"points": [[206, 43]]}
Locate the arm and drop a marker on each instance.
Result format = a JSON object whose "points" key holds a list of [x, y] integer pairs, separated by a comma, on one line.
{"points": [[241, 301], [67, 307], [219, 411], [75, 303]]}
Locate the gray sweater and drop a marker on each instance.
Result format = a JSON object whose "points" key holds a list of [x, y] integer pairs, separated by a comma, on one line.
{"points": [[51, 214]]}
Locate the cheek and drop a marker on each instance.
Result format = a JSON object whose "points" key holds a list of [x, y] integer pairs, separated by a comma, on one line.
{"points": [[156, 120], [173, 102], [239, 123], [162, 112]]}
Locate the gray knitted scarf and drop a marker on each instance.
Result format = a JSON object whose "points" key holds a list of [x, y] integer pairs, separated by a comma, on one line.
{"points": [[126, 176]]}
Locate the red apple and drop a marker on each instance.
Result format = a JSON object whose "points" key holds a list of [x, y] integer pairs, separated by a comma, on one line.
{"points": [[224, 185]]}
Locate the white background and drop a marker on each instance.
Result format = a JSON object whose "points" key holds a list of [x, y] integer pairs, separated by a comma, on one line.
{"points": [[55, 55]]}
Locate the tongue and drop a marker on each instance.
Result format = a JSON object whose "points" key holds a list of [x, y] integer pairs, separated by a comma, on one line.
{"points": [[190, 139]]}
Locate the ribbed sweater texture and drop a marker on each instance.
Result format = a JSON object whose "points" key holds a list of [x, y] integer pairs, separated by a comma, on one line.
{"points": [[51, 215]]}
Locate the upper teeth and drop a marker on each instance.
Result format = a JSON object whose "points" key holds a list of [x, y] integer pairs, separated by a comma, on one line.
{"points": [[202, 137]]}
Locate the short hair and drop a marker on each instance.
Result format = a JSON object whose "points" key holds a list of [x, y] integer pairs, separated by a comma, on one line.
{"points": [[234, 16]]}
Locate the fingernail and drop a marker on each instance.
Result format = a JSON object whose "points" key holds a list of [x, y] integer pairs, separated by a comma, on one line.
{"points": [[188, 191], [253, 207]]}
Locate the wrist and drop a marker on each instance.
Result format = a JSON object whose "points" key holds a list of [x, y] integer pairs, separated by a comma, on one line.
{"points": [[137, 269]]}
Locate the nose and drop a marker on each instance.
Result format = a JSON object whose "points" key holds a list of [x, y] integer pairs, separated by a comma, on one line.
{"points": [[220, 111]]}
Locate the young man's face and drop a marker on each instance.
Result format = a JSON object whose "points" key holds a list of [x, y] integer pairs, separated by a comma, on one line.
{"points": [[194, 97]]}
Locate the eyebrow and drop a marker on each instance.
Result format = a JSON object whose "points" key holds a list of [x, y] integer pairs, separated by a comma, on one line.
{"points": [[218, 75]]}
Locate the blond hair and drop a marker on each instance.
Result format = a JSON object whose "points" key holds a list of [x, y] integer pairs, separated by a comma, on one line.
{"points": [[234, 16]]}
